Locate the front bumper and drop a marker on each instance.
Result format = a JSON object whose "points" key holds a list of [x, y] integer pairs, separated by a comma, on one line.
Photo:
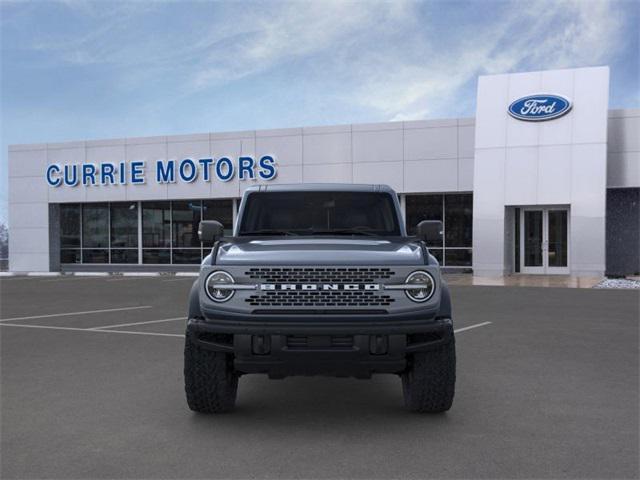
{"points": [[334, 348]]}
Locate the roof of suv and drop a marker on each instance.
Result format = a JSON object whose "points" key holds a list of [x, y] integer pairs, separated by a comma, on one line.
{"points": [[321, 187]]}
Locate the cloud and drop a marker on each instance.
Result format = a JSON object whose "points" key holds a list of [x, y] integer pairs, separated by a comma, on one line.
{"points": [[294, 31], [398, 59], [525, 36]]}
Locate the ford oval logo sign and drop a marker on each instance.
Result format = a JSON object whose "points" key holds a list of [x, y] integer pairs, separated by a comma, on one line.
{"points": [[536, 108]]}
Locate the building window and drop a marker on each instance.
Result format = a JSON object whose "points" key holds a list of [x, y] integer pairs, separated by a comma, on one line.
{"points": [[185, 217], [124, 232], [455, 212], [108, 232], [156, 232], [95, 233], [70, 238]]}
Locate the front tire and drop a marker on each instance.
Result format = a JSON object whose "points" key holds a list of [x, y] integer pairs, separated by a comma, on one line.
{"points": [[428, 384], [210, 382]]}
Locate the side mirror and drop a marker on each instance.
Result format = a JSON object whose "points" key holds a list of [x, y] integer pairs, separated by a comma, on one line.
{"points": [[209, 231], [430, 231]]}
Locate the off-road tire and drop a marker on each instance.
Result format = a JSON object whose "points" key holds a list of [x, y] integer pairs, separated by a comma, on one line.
{"points": [[209, 379], [428, 384]]}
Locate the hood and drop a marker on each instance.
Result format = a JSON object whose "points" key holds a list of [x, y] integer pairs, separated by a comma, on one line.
{"points": [[320, 251]]}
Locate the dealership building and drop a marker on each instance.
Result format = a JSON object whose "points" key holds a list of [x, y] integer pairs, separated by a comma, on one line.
{"points": [[544, 179]]}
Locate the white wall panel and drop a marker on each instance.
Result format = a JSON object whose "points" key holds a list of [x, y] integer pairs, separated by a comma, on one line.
{"points": [[493, 95], [587, 245], [465, 174], [488, 182], [29, 262], [287, 149], [387, 173], [377, 146], [30, 240], [521, 176], [431, 176], [27, 163], [335, 172], [558, 131], [28, 215], [327, 148], [554, 175], [105, 193], [431, 143], [28, 189], [591, 104], [466, 141]]}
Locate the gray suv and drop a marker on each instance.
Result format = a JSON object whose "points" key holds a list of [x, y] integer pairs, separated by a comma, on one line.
{"points": [[319, 280]]}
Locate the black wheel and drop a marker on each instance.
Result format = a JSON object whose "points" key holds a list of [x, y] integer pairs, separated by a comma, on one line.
{"points": [[428, 384], [210, 382]]}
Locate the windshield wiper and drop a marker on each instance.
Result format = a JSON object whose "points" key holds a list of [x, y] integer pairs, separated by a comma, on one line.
{"points": [[268, 231]]}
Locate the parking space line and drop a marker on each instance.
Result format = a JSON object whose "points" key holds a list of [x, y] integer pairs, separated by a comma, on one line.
{"points": [[74, 329], [472, 326], [87, 312], [138, 323]]}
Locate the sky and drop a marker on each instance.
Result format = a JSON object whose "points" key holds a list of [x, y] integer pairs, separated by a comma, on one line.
{"points": [[76, 70]]}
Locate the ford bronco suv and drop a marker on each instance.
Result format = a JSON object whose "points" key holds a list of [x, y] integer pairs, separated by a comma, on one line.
{"points": [[319, 280]]}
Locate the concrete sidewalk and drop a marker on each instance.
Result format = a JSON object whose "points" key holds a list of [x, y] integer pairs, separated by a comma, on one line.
{"points": [[521, 280]]}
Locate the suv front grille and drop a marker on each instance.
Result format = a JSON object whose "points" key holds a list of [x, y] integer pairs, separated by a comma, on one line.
{"points": [[320, 298]]}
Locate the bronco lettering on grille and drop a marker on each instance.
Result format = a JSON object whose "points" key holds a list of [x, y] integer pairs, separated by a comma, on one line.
{"points": [[321, 286]]}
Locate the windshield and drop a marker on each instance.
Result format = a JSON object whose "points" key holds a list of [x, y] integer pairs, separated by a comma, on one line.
{"points": [[319, 213]]}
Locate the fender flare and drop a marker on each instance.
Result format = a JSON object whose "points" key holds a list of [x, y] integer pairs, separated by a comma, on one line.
{"points": [[445, 303], [194, 302]]}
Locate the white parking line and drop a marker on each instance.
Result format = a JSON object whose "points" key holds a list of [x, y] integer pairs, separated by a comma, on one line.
{"points": [[47, 327], [138, 323], [74, 313], [472, 326]]}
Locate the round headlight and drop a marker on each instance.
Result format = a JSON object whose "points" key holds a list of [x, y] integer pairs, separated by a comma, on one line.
{"points": [[211, 286], [425, 286]]}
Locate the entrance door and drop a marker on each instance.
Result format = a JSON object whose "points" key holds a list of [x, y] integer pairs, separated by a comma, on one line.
{"points": [[544, 239]]}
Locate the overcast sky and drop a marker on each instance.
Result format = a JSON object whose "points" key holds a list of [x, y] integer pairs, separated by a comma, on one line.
{"points": [[75, 70]]}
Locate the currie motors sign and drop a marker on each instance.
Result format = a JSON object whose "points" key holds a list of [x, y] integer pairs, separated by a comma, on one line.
{"points": [[540, 107], [187, 170]]}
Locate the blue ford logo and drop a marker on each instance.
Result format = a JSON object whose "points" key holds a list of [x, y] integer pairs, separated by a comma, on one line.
{"points": [[536, 108]]}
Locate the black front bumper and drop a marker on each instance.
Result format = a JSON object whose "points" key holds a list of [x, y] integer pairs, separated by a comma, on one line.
{"points": [[327, 347]]}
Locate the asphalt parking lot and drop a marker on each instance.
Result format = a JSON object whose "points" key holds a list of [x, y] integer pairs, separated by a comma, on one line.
{"points": [[92, 388]]}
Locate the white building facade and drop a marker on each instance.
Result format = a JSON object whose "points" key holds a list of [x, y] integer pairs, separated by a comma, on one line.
{"points": [[545, 179]]}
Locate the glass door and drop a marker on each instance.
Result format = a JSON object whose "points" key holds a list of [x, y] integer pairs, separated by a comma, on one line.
{"points": [[532, 239], [557, 247], [544, 242]]}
